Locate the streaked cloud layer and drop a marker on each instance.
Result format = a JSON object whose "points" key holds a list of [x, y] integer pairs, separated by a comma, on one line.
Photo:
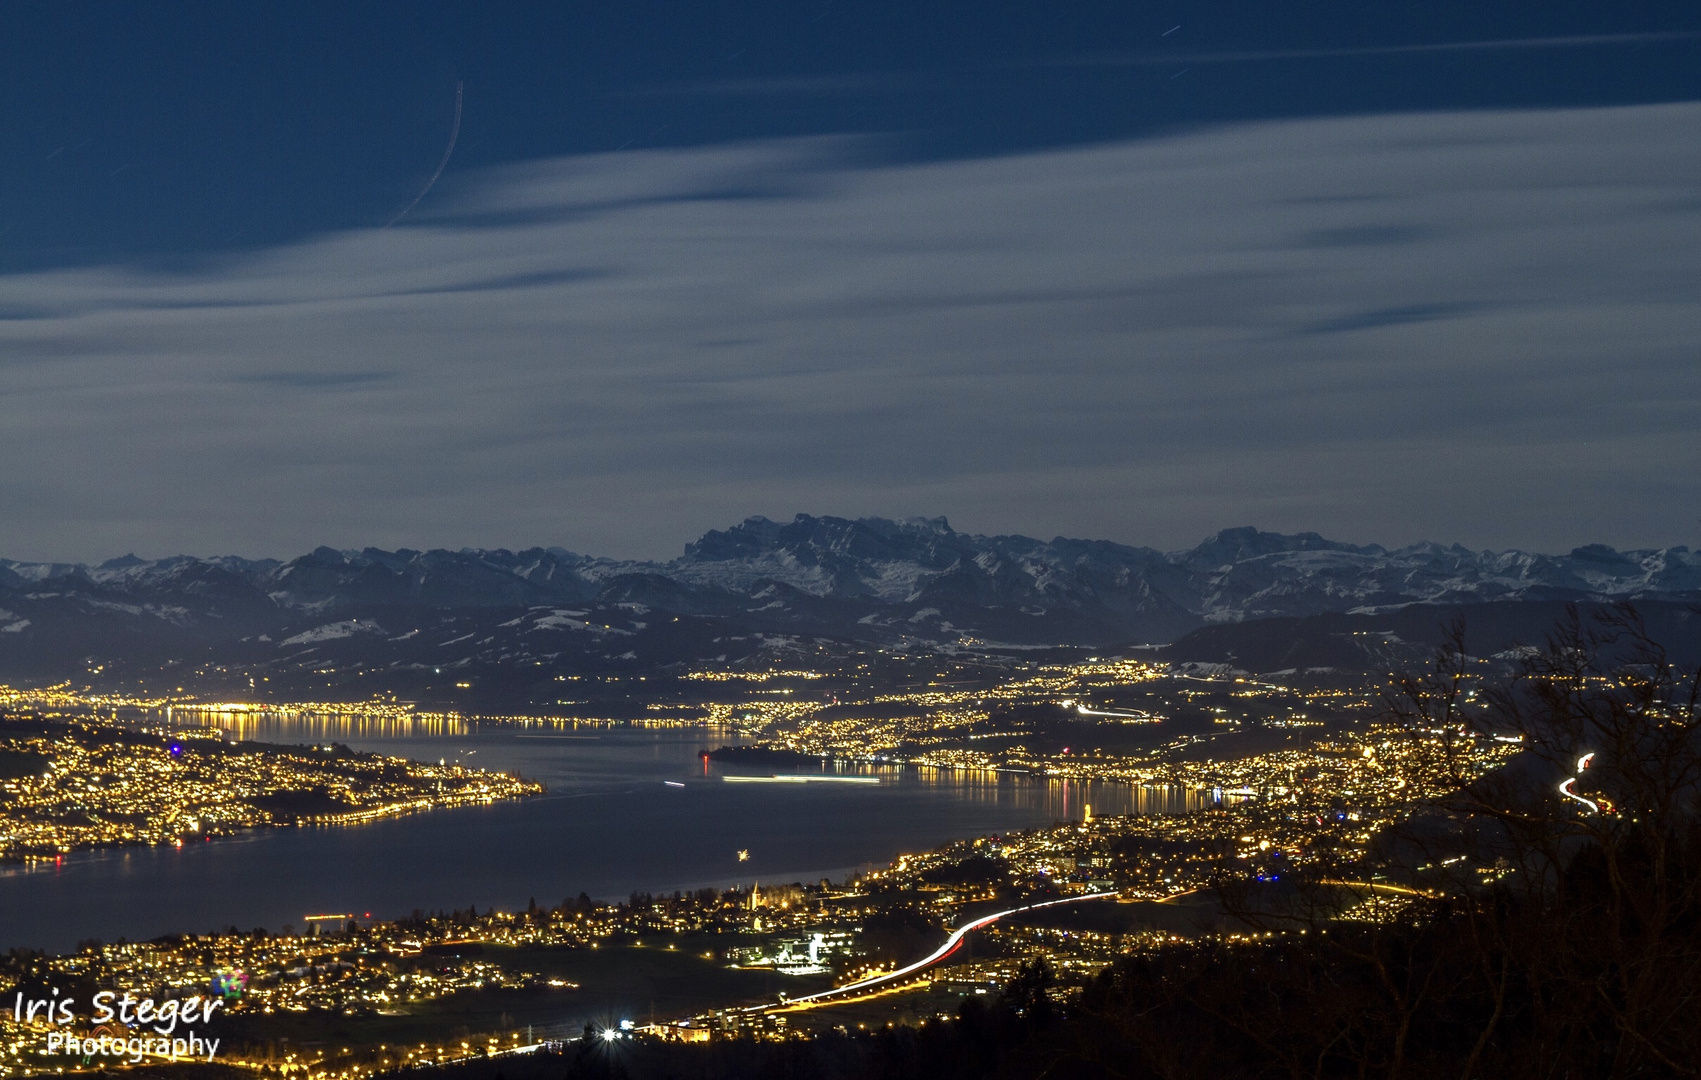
{"points": [[1480, 327]]}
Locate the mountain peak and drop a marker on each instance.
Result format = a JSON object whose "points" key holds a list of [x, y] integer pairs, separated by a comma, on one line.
{"points": [[1247, 542], [921, 524]]}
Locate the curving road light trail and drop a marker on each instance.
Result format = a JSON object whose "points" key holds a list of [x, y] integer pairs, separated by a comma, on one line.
{"points": [[951, 945], [1142, 718], [1082, 710], [1565, 786]]}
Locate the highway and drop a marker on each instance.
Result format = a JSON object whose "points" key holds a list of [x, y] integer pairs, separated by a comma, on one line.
{"points": [[951, 945], [1565, 786]]}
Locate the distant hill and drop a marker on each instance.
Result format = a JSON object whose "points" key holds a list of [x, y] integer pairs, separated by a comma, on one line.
{"points": [[1396, 639], [766, 586]]}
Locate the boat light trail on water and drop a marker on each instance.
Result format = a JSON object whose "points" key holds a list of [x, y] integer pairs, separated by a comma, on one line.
{"points": [[951, 945], [801, 779]]}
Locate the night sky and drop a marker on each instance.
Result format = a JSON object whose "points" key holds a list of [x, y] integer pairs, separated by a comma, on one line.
{"points": [[607, 276]]}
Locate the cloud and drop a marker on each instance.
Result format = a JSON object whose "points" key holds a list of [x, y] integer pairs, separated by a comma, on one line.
{"points": [[1242, 56], [316, 379], [1478, 327], [1363, 236], [1395, 316]]}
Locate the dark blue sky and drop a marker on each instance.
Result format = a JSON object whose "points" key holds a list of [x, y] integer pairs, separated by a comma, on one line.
{"points": [[1137, 271], [192, 127]]}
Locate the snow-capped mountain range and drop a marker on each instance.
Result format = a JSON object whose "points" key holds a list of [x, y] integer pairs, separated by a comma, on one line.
{"points": [[871, 580], [1235, 575]]}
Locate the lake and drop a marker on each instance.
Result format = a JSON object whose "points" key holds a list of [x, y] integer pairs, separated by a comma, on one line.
{"points": [[609, 825]]}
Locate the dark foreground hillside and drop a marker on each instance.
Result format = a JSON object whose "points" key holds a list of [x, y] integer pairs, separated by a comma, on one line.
{"points": [[1413, 1002]]}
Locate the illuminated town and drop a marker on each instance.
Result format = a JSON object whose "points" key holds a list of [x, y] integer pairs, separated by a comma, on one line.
{"points": [[1272, 778], [68, 785]]}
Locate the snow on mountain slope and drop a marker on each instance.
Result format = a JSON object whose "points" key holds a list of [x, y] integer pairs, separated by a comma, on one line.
{"points": [[868, 578]]}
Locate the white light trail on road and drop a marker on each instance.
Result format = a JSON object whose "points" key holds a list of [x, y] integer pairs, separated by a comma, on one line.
{"points": [[1082, 710], [1565, 786], [934, 957]]}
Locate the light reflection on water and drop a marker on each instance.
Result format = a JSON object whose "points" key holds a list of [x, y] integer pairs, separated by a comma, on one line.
{"points": [[1064, 799], [407, 734], [295, 726], [628, 808]]}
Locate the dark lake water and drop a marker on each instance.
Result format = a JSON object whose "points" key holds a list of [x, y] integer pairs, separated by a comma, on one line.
{"points": [[609, 825]]}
